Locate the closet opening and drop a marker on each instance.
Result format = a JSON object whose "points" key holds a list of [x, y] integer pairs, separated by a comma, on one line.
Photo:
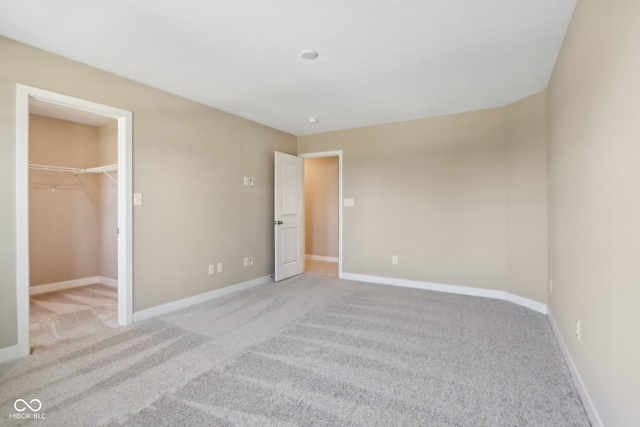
{"points": [[74, 216], [73, 223]]}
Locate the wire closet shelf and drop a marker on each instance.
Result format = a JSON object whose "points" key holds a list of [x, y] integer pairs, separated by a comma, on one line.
{"points": [[76, 171]]}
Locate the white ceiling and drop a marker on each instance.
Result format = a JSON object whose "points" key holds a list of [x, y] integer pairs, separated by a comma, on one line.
{"points": [[379, 61]]}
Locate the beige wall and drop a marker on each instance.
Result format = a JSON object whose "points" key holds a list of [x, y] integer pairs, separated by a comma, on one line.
{"points": [[430, 191], [63, 224], [108, 155], [460, 199], [526, 178], [73, 230], [188, 161], [321, 206], [594, 170]]}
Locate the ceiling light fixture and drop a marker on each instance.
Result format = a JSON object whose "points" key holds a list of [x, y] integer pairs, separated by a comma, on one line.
{"points": [[309, 54], [313, 120]]}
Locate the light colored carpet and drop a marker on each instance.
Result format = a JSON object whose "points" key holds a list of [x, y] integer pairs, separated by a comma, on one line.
{"points": [[71, 314], [311, 350]]}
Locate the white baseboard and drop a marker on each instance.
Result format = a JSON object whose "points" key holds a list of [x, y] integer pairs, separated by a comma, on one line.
{"points": [[197, 299], [41, 289], [108, 281], [68, 284], [13, 353], [525, 302], [321, 258], [594, 417], [452, 289]]}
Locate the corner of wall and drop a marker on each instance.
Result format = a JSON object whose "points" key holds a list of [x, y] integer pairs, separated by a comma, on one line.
{"points": [[527, 198]]}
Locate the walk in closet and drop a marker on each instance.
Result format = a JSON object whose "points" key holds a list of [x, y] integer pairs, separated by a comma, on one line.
{"points": [[73, 199]]}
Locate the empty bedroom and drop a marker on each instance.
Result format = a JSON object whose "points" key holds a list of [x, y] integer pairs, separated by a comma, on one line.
{"points": [[320, 213]]}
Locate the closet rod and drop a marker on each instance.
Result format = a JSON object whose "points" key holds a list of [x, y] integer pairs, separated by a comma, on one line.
{"points": [[56, 169], [76, 171]]}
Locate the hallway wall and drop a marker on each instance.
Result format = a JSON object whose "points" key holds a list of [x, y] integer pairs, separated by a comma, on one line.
{"points": [[321, 206]]}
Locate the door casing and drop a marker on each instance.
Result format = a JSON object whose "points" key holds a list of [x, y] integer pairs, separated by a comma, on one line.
{"points": [[125, 212]]}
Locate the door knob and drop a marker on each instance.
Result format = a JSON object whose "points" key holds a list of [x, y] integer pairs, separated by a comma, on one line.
{"points": [[277, 222]]}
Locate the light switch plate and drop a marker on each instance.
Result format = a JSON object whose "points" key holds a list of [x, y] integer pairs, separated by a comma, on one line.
{"points": [[348, 202], [137, 199]]}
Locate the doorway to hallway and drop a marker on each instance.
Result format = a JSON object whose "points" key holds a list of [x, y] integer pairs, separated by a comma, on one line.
{"points": [[323, 212]]}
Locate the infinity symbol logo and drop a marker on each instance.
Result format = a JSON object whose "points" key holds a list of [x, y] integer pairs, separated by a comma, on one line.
{"points": [[26, 405]]}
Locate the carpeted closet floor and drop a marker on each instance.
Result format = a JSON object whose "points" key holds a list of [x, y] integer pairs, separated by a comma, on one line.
{"points": [[72, 313]]}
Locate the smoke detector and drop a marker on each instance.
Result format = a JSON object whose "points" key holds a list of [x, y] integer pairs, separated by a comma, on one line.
{"points": [[309, 54]]}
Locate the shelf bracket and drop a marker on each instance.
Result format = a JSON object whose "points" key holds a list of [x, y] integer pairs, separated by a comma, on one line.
{"points": [[110, 177]]}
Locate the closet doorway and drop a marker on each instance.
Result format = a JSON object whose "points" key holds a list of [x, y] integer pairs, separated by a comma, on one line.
{"points": [[323, 213], [74, 217]]}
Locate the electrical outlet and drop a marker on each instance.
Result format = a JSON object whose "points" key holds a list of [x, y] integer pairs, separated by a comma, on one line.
{"points": [[394, 259], [578, 329], [212, 269], [550, 285], [220, 268]]}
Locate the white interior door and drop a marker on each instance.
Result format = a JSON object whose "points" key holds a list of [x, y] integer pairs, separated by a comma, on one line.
{"points": [[289, 215]]}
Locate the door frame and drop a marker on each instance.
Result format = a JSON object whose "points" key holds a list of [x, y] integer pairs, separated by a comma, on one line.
{"points": [[338, 154], [125, 210]]}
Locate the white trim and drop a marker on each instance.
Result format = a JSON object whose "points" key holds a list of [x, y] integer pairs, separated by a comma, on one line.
{"points": [[594, 417], [67, 284], [22, 221], [170, 307], [452, 289], [321, 258], [335, 153], [108, 281], [525, 302], [125, 218], [11, 353], [125, 211]]}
